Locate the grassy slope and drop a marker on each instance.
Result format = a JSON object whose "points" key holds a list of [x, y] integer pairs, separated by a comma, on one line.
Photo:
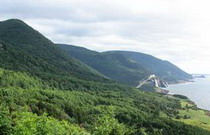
{"points": [[197, 117]]}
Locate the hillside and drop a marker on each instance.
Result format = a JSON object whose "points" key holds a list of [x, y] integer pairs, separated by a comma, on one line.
{"points": [[24, 49], [116, 67], [127, 67], [43, 91], [161, 68], [28, 107]]}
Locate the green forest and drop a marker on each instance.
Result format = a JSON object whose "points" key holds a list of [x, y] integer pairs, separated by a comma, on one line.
{"points": [[126, 66], [44, 91], [28, 107]]}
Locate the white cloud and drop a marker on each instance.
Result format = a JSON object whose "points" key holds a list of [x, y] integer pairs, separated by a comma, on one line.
{"points": [[177, 31]]}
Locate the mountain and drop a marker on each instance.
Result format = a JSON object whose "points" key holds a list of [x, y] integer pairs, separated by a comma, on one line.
{"points": [[45, 91], [115, 66], [163, 69], [24, 49], [127, 67]]}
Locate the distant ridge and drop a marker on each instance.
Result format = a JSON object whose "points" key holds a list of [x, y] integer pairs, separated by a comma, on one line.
{"points": [[46, 91], [164, 69], [115, 66], [127, 67]]}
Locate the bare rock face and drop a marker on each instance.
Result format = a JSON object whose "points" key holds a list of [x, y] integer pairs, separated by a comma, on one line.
{"points": [[155, 81], [162, 84]]}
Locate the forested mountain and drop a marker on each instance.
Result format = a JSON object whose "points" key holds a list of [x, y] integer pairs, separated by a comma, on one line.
{"points": [[45, 92], [127, 67], [115, 66], [25, 49], [161, 68]]}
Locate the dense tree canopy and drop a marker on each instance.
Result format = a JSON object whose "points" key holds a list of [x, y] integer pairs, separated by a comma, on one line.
{"points": [[45, 92], [29, 107]]}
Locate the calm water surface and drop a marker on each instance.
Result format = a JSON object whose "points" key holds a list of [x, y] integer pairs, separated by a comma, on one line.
{"points": [[198, 91]]}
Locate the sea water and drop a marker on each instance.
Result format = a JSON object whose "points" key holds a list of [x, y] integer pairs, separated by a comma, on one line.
{"points": [[197, 91]]}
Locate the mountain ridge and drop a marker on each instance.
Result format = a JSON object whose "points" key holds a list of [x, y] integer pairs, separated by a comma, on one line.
{"points": [[134, 66], [25, 49], [116, 67], [45, 91], [162, 68]]}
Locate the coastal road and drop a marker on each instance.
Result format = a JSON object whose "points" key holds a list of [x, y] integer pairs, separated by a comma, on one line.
{"points": [[142, 82]]}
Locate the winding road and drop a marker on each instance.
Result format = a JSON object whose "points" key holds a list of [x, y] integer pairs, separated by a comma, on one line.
{"points": [[142, 82]]}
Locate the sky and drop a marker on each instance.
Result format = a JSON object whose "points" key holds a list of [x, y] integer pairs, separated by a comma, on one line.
{"points": [[173, 30]]}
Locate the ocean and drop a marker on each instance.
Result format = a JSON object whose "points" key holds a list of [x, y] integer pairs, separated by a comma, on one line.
{"points": [[198, 91]]}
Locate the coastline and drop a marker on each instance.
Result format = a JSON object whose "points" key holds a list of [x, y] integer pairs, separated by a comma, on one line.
{"points": [[194, 89], [197, 90], [189, 112], [167, 91], [182, 82]]}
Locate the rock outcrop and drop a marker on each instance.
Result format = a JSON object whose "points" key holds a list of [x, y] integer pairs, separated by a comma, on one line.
{"points": [[154, 81], [157, 82]]}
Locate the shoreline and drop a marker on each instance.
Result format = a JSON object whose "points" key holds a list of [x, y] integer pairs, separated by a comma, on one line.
{"points": [[182, 82], [182, 85], [171, 95], [167, 91], [163, 90]]}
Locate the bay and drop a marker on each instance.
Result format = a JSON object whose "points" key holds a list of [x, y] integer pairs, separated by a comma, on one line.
{"points": [[198, 91]]}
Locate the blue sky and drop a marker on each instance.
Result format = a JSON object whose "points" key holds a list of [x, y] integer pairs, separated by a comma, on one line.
{"points": [[174, 30]]}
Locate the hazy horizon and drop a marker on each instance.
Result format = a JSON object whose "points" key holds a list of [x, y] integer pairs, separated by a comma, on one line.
{"points": [[177, 31]]}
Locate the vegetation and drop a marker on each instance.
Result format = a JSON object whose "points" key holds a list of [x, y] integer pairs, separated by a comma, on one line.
{"points": [[28, 108], [117, 67], [45, 92], [26, 50], [127, 67], [180, 96], [192, 115], [161, 68]]}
